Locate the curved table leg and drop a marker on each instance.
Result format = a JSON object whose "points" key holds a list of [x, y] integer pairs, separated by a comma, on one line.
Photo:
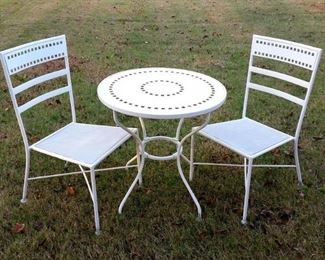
{"points": [[137, 178], [140, 157], [139, 162], [179, 166]]}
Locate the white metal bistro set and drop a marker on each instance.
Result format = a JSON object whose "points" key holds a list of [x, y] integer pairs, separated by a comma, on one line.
{"points": [[158, 93], [161, 93]]}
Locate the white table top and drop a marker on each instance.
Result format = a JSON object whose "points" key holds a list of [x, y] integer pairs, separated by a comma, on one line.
{"points": [[161, 93]]}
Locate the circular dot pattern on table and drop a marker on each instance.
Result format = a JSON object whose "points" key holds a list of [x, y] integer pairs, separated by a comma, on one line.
{"points": [[161, 93], [163, 88]]}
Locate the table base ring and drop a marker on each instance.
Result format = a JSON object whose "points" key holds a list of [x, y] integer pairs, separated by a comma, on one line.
{"points": [[161, 158]]}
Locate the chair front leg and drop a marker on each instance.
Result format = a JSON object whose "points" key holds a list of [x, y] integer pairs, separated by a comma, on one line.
{"points": [[27, 168], [298, 170], [245, 169], [94, 196], [192, 159], [139, 162], [247, 188]]}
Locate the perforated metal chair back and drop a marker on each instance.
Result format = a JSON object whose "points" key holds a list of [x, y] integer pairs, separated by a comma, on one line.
{"points": [[293, 53], [20, 58]]}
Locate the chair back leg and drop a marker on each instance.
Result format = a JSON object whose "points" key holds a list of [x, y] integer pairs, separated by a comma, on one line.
{"points": [[247, 187], [25, 187], [94, 192], [297, 161], [191, 158]]}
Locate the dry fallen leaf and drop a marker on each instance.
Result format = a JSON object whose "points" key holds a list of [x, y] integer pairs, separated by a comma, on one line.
{"points": [[19, 228], [3, 135], [202, 236], [71, 190], [34, 138], [276, 152], [317, 138]]}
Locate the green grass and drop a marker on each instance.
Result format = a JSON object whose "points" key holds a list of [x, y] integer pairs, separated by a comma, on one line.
{"points": [[159, 219]]}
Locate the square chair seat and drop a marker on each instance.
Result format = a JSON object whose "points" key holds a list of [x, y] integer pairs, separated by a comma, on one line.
{"points": [[246, 136], [83, 144]]}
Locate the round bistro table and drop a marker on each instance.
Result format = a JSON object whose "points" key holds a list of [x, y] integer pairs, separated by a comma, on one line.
{"points": [[161, 93]]}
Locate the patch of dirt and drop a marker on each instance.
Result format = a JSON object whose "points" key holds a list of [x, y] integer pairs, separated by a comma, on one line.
{"points": [[90, 7], [282, 216], [317, 8], [310, 6], [27, 14], [94, 73], [215, 11], [77, 64], [218, 155], [3, 136], [128, 9], [37, 12], [209, 61], [162, 4]]}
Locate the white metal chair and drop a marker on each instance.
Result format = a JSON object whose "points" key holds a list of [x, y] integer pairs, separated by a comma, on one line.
{"points": [[250, 138], [83, 144]]}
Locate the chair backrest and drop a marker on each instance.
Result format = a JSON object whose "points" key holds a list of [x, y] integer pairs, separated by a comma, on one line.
{"points": [[31, 54], [296, 54]]}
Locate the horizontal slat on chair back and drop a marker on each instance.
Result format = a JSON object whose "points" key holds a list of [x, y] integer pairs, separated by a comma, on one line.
{"points": [[42, 98], [28, 84], [290, 52], [277, 93], [280, 76], [34, 53]]}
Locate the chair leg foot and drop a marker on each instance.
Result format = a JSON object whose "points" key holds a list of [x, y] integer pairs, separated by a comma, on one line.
{"points": [[199, 218], [244, 222], [24, 200], [120, 210], [97, 232]]}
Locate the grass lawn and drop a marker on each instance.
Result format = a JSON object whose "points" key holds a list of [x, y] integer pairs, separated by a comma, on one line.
{"points": [[159, 219]]}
